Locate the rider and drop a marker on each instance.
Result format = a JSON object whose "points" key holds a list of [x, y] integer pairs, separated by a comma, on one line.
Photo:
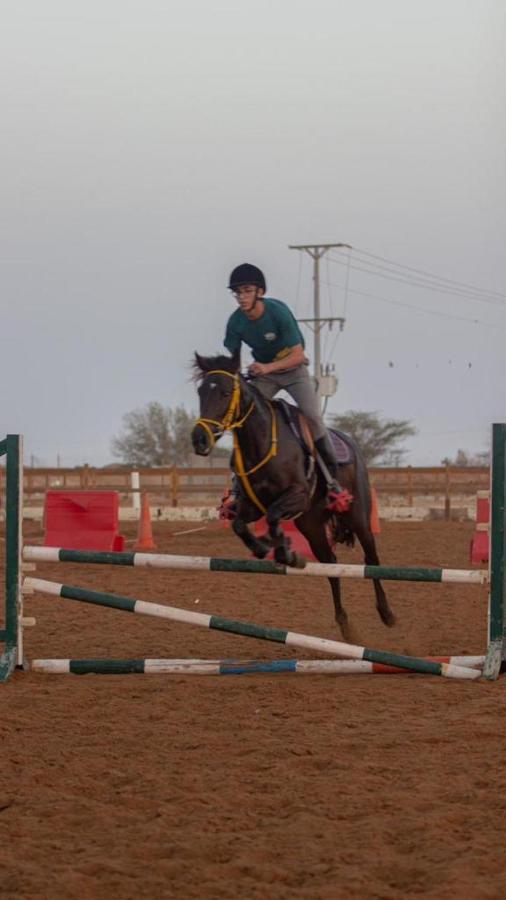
{"points": [[270, 329]]}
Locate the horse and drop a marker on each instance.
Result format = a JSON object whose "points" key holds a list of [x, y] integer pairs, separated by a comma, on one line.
{"points": [[277, 477]]}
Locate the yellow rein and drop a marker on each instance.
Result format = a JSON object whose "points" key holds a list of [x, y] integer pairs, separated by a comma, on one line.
{"points": [[229, 423]]}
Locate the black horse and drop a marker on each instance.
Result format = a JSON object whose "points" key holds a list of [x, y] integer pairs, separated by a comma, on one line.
{"points": [[277, 476]]}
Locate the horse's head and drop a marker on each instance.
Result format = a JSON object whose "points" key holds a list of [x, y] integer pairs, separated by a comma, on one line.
{"points": [[220, 398]]}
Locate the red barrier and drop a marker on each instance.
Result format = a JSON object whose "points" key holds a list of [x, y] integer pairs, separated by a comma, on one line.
{"points": [[480, 544], [82, 520]]}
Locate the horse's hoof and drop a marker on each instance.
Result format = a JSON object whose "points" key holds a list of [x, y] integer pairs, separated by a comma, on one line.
{"points": [[345, 630], [281, 556], [298, 561], [388, 618], [261, 551], [286, 557]]}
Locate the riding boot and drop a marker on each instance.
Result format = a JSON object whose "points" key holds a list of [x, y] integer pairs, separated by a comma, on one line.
{"points": [[339, 498]]}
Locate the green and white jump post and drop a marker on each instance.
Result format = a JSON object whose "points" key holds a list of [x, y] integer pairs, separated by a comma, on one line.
{"points": [[373, 661], [496, 652], [12, 634]]}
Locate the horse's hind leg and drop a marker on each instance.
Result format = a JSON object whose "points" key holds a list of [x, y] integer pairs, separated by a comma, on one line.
{"points": [[316, 536], [371, 558]]}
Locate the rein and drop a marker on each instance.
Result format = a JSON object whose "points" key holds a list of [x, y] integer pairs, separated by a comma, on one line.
{"points": [[233, 422]]}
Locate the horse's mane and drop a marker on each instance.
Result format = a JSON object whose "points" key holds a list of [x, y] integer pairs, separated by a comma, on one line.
{"points": [[203, 364]]}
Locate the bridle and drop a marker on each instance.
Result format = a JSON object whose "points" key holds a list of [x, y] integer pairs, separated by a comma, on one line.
{"points": [[232, 421]]}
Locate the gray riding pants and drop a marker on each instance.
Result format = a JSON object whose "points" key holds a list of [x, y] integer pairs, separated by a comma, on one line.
{"points": [[297, 383]]}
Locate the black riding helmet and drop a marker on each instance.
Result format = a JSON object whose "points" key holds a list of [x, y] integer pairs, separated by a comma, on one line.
{"points": [[246, 273]]}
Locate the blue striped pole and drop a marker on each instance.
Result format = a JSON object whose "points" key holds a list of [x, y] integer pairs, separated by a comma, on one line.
{"points": [[229, 667]]}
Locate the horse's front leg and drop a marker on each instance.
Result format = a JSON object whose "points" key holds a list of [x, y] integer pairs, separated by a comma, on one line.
{"points": [[290, 504], [255, 545]]}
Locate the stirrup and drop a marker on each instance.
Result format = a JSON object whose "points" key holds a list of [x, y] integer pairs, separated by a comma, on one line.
{"points": [[339, 499], [227, 510]]}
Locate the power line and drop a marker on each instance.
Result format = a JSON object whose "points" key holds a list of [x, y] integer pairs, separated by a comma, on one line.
{"points": [[430, 312], [426, 285], [375, 269], [450, 281]]}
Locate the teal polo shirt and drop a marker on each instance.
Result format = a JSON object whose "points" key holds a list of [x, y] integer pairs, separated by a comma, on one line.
{"points": [[270, 337]]}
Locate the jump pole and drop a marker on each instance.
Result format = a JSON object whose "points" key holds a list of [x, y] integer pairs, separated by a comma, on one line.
{"points": [[246, 629], [254, 566], [229, 667]]}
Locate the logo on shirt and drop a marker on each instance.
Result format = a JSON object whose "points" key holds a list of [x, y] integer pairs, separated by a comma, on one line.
{"points": [[270, 336]]}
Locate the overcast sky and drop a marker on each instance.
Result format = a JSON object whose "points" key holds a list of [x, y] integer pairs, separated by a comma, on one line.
{"points": [[148, 147]]}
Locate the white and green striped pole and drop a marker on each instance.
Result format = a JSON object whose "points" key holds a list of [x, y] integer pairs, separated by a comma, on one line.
{"points": [[254, 566], [246, 629]]}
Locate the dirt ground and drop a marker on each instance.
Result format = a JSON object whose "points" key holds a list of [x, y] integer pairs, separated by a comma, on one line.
{"points": [[259, 786]]}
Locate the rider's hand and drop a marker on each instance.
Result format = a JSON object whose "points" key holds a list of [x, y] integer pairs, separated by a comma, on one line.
{"points": [[257, 368]]}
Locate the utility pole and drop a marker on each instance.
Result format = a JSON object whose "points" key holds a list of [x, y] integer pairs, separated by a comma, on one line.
{"points": [[317, 323]]}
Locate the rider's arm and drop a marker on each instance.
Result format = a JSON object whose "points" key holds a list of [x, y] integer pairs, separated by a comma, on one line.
{"points": [[295, 357], [232, 339]]}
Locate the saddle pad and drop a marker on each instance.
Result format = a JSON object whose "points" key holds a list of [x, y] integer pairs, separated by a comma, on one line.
{"points": [[341, 448]]}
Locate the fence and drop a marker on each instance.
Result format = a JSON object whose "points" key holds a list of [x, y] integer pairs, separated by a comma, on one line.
{"points": [[201, 486], [170, 486]]}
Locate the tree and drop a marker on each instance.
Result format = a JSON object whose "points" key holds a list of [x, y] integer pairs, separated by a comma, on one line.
{"points": [[463, 458], [155, 436], [378, 439]]}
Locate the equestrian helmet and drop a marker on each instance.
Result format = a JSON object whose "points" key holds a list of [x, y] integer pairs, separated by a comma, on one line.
{"points": [[246, 273]]}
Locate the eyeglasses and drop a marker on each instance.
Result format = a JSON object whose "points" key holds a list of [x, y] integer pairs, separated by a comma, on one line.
{"points": [[247, 289]]}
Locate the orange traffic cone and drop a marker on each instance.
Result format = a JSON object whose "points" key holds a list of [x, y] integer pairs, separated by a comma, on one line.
{"points": [[145, 534], [374, 521]]}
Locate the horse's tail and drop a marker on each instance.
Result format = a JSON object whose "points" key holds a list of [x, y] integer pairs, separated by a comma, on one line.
{"points": [[339, 531], [363, 486]]}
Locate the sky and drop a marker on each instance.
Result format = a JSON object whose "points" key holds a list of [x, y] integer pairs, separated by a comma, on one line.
{"points": [[147, 148]]}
